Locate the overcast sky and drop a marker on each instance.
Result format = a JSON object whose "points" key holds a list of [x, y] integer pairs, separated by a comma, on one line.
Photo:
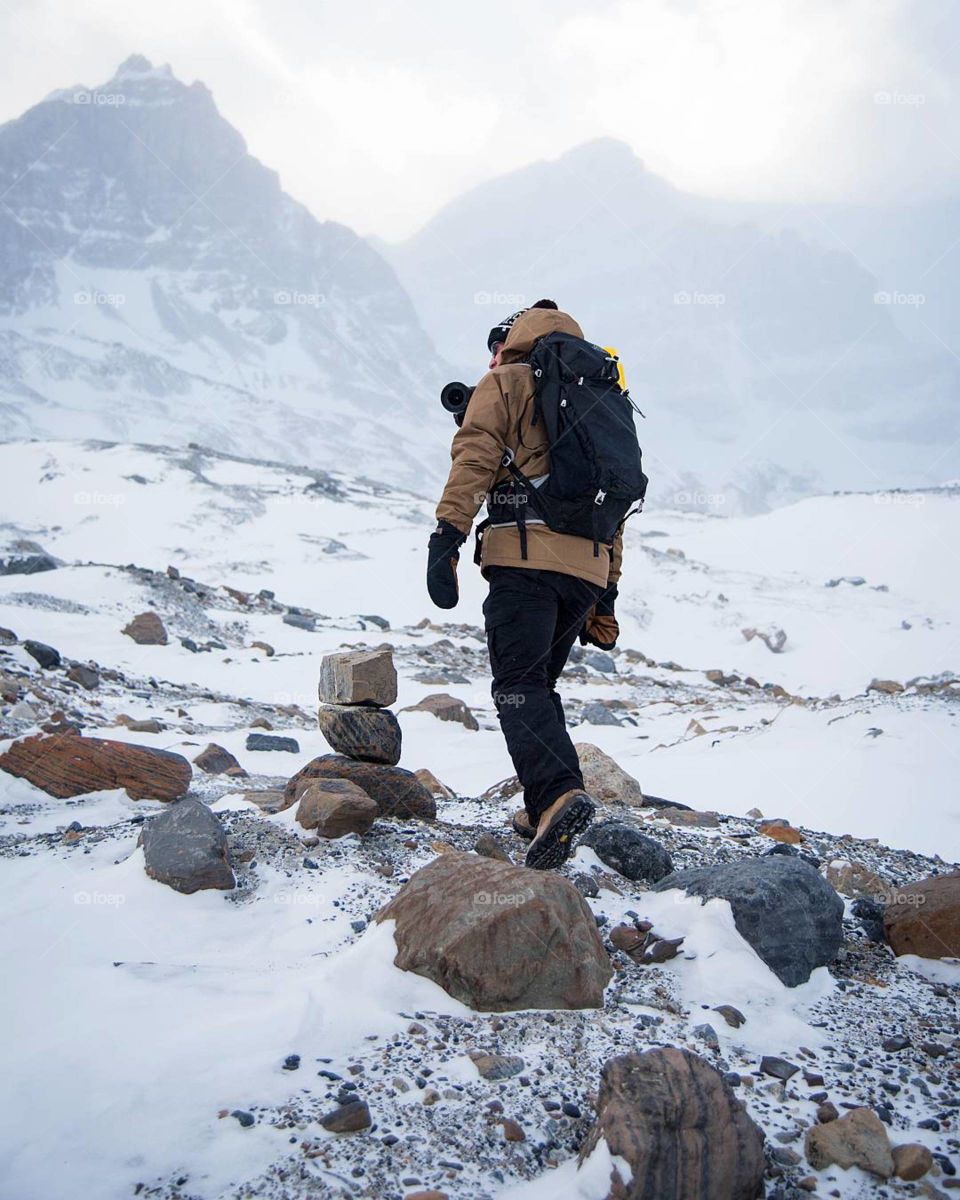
{"points": [[375, 114]]}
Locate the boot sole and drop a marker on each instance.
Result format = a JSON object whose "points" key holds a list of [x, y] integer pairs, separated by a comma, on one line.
{"points": [[558, 843]]}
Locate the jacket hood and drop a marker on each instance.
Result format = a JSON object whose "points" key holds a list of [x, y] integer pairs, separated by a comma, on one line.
{"points": [[532, 325]]}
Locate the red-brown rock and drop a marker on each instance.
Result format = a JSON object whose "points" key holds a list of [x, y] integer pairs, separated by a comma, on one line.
{"points": [[499, 937], [680, 1128], [147, 630], [66, 765], [924, 918]]}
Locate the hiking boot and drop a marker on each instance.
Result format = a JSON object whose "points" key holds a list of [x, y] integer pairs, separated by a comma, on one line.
{"points": [[522, 825], [558, 829]]}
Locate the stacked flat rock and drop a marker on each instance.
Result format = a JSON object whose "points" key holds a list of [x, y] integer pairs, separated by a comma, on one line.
{"points": [[355, 689]]}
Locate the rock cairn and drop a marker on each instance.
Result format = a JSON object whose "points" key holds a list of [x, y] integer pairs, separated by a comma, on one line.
{"points": [[356, 688], [345, 792]]}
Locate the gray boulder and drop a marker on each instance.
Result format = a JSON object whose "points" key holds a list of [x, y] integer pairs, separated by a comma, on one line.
{"points": [[185, 847], [369, 734], [628, 851], [781, 905]]}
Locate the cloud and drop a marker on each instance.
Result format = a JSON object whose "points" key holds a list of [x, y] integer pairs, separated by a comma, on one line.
{"points": [[377, 114]]}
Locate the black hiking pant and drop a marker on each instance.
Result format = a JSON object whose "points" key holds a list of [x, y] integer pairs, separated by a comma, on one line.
{"points": [[532, 620]]}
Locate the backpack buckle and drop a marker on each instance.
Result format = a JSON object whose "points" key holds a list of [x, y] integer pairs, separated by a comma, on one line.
{"points": [[600, 497]]}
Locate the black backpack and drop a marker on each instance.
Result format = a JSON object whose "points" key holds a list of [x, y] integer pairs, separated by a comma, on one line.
{"points": [[596, 471]]}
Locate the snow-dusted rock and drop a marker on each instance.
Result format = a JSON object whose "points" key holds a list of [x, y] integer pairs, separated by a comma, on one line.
{"points": [[626, 850], [186, 848], [781, 905], [681, 1131], [499, 937]]}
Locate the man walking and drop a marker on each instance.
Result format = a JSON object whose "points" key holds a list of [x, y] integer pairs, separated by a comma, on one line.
{"points": [[547, 587]]}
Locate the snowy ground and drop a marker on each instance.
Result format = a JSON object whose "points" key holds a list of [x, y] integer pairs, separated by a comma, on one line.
{"points": [[141, 1014]]}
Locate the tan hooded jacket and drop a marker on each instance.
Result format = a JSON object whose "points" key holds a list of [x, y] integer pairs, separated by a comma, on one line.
{"points": [[499, 417]]}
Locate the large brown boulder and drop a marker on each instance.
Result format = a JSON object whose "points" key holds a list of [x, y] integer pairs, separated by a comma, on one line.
{"points": [[681, 1130], [397, 792], [924, 918], [499, 937], [66, 765], [358, 677], [360, 731]]}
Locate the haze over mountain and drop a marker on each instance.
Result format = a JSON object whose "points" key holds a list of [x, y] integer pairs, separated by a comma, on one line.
{"points": [[156, 282], [768, 363]]}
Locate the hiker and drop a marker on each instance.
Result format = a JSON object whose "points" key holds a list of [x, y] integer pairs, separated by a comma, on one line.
{"points": [[551, 545]]}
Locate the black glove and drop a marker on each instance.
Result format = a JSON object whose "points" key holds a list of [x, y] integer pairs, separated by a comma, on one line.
{"points": [[443, 554], [601, 628]]}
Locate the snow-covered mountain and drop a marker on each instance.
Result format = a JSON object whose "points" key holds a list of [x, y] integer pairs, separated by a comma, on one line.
{"points": [[768, 364], [157, 284]]}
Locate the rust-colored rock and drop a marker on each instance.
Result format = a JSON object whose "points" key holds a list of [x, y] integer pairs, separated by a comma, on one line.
{"points": [[781, 833], [397, 792], [680, 1128], [499, 937], [923, 918], [66, 765], [147, 630]]}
